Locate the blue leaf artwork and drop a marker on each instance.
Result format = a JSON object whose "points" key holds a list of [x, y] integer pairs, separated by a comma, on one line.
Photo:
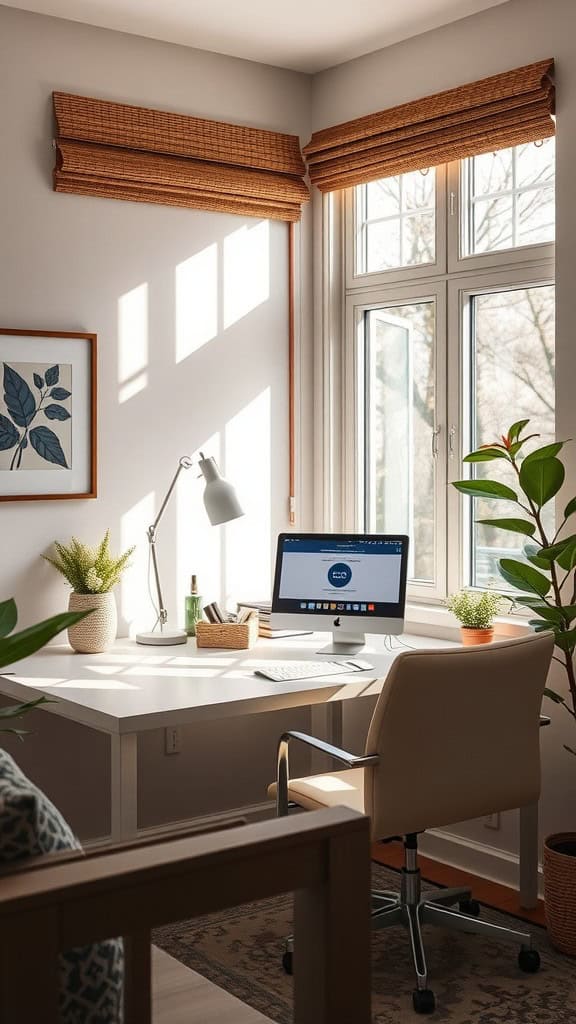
{"points": [[32, 394], [45, 442]]}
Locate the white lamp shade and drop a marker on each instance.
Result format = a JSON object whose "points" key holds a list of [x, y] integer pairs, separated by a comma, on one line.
{"points": [[220, 499]]}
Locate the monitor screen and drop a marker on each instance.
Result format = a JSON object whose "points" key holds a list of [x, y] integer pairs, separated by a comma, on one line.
{"points": [[347, 574]]}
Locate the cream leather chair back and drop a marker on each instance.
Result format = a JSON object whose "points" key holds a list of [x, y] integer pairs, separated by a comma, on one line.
{"points": [[457, 732]]}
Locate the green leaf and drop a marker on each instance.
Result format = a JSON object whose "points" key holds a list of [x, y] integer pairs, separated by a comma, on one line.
{"points": [[524, 577], [532, 552], [541, 479], [570, 508], [529, 602], [539, 626], [552, 695], [8, 616], [548, 613], [20, 645], [568, 611], [566, 640], [516, 429], [567, 559], [17, 710], [514, 525], [564, 552], [547, 452], [486, 455], [485, 489]]}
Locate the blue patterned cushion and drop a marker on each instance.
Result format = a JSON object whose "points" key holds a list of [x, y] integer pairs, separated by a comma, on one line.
{"points": [[91, 976]]}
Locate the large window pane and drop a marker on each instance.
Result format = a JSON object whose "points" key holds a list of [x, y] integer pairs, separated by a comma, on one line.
{"points": [[512, 378], [396, 222], [399, 424], [509, 198]]}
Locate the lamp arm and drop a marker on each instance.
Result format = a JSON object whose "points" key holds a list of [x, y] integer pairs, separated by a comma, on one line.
{"points": [[184, 463]]}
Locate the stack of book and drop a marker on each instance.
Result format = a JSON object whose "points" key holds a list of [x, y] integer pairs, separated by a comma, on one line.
{"points": [[264, 609]]}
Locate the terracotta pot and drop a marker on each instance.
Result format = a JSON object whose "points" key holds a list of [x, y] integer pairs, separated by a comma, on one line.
{"points": [[97, 632], [560, 890], [472, 636]]}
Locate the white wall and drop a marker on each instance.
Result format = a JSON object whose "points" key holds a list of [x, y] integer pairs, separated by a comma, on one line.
{"points": [[504, 37], [154, 283], [191, 313]]}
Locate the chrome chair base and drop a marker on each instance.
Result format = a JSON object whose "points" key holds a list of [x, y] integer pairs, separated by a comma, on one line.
{"points": [[409, 909]]}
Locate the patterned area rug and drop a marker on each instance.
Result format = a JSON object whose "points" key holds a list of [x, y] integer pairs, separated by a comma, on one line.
{"points": [[476, 981]]}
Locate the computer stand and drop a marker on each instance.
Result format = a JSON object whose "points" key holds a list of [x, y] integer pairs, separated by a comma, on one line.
{"points": [[344, 644]]}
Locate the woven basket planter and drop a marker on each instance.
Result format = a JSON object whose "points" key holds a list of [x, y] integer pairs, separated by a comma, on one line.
{"points": [[560, 890], [471, 637], [97, 632]]}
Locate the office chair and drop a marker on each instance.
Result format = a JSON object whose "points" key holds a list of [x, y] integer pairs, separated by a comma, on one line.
{"points": [[454, 736]]}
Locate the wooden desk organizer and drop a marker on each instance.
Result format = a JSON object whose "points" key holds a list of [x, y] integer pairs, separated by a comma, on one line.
{"points": [[235, 636]]}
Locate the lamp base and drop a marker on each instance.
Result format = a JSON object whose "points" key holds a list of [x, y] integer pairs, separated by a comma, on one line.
{"points": [[164, 639]]}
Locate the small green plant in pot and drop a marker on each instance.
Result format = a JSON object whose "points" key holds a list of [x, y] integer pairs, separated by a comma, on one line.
{"points": [[92, 573], [475, 611], [546, 581]]}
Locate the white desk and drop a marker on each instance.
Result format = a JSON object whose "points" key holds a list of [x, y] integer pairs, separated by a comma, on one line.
{"points": [[131, 689]]}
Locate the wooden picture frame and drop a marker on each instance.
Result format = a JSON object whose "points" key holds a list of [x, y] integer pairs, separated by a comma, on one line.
{"points": [[46, 374]]}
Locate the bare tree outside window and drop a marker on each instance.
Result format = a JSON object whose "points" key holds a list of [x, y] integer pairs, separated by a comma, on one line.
{"points": [[509, 203]]}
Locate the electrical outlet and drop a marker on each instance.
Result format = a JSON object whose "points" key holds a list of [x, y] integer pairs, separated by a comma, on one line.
{"points": [[172, 740], [492, 821]]}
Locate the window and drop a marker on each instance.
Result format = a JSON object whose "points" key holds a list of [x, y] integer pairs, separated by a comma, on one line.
{"points": [[449, 337]]}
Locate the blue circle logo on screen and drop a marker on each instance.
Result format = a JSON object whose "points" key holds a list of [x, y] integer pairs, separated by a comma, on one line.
{"points": [[340, 574]]}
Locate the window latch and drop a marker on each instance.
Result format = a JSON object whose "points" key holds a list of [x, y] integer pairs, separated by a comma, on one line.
{"points": [[452, 204], [435, 435], [452, 442]]}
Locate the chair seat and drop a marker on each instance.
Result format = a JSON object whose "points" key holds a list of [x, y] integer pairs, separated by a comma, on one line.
{"points": [[335, 790]]}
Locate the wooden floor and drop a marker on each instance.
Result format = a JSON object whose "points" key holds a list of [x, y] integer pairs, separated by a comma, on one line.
{"points": [[501, 897], [180, 996]]}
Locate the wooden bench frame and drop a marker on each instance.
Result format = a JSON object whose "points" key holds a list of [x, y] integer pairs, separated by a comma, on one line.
{"points": [[322, 856]]}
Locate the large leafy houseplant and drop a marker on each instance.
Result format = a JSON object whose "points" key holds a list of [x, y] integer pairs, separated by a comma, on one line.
{"points": [[14, 646], [546, 579]]}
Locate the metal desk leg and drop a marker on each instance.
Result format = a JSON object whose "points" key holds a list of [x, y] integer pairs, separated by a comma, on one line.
{"points": [[529, 849], [123, 786]]}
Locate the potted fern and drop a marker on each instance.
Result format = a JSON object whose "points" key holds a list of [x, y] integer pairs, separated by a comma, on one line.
{"points": [[546, 581], [92, 573], [475, 612]]}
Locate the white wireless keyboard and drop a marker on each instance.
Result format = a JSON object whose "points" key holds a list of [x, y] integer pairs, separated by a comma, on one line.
{"points": [[310, 669]]}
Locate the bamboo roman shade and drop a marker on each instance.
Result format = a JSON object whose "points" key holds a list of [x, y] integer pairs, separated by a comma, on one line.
{"points": [[494, 113], [124, 152]]}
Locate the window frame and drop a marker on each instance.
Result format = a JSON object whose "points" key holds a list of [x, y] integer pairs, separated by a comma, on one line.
{"points": [[399, 274], [451, 280]]}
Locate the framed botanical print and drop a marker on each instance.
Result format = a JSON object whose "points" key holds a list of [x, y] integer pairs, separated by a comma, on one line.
{"points": [[47, 415]]}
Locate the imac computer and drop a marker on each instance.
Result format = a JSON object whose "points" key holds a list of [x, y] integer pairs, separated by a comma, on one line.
{"points": [[348, 584]]}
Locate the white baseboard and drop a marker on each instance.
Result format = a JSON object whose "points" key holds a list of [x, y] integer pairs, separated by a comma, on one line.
{"points": [[470, 855]]}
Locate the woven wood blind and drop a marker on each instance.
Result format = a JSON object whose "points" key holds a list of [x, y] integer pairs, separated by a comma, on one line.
{"points": [[125, 152], [495, 113]]}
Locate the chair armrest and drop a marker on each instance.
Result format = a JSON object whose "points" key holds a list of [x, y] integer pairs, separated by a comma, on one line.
{"points": [[350, 760]]}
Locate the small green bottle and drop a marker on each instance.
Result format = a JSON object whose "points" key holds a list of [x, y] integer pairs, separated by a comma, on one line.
{"points": [[192, 608]]}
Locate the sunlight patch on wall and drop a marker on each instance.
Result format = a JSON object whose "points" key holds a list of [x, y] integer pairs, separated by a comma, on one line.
{"points": [[135, 606], [196, 301], [133, 342], [246, 271], [248, 467], [198, 544]]}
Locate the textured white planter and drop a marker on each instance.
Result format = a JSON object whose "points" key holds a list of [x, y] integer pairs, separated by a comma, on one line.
{"points": [[97, 632]]}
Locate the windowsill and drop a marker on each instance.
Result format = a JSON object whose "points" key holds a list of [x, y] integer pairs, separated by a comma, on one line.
{"points": [[436, 621]]}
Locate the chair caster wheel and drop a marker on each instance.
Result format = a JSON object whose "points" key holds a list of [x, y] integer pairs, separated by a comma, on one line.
{"points": [[287, 962], [423, 1000], [469, 907], [529, 960]]}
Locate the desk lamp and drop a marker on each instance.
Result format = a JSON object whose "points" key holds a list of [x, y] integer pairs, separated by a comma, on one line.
{"points": [[221, 505]]}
